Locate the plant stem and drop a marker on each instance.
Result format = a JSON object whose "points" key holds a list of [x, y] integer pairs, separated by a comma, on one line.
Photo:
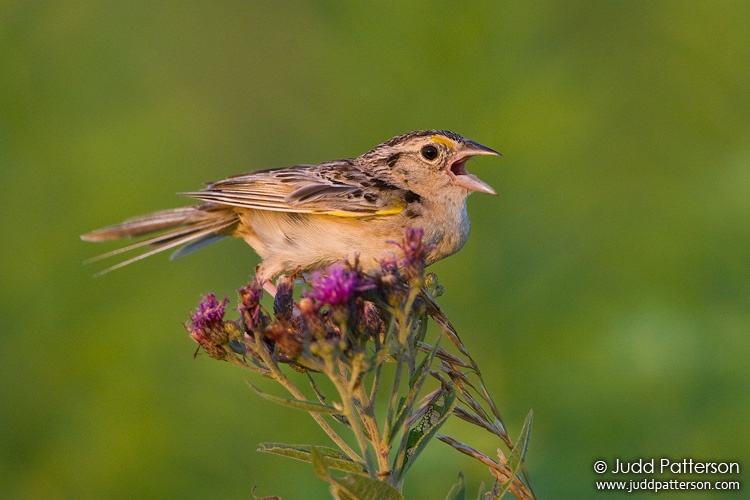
{"points": [[393, 400], [350, 412], [278, 375], [367, 414]]}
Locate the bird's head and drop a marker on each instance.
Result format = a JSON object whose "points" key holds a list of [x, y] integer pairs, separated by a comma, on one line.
{"points": [[430, 161]]}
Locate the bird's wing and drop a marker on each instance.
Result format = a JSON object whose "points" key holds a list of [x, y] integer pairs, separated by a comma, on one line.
{"points": [[334, 188]]}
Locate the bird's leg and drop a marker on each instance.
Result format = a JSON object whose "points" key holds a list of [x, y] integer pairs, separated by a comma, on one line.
{"points": [[270, 288], [268, 285]]}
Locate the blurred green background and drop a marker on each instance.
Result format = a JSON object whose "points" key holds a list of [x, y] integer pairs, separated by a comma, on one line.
{"points": [[607, 286]]}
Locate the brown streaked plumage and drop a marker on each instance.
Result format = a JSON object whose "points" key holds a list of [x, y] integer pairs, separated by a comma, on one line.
{"points": [[308, 216]]}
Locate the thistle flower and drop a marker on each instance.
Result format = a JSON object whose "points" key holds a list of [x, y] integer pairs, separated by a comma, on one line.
{"points": [[344, 329], [210, 311], [206, 326], [335, 286], [414, 255]]}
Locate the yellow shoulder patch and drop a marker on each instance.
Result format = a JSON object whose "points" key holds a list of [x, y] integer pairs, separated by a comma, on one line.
{"points": [[344, 213], [397, 209], [391, 210]]}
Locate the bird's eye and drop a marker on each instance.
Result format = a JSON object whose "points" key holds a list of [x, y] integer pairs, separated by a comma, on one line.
{"points": [[429, 152]]}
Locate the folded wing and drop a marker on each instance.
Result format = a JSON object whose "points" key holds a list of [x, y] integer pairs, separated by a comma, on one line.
{"points": [[335, 188]]}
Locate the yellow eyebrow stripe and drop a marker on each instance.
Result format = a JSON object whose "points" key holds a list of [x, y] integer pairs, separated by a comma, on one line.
{"points": [[443, 140]]}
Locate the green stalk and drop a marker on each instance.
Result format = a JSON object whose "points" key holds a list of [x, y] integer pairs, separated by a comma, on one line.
{"points": [[278, 375], [350, 413]]}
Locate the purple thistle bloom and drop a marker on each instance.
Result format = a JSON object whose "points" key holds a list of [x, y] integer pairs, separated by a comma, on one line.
{"points": [[206, 326], [335, 286], [415, 253], [210, 312]]}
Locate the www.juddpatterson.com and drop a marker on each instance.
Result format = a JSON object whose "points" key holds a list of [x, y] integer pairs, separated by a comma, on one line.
{"points": [[656, 485]]}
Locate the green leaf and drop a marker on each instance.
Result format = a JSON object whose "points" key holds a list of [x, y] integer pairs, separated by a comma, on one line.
{"points": [[518, 456], [406, 404], [359, 487], [352, 486], [319, 466], [458, 491], [297, 403], [481, 494], [331, 458], [400, 413], [409, 453], [424, 367]]}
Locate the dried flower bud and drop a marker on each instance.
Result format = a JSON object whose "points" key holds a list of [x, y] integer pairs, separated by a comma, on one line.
{"points": [[250, 296], [285, 338], [374, 325], [432, 285], [307, 306], [390, 285], [283, 303], [311, 318]]}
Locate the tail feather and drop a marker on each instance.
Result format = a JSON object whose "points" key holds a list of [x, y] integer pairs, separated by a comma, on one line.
{"points": [[191, 226], [144, 224], [196, 245]]}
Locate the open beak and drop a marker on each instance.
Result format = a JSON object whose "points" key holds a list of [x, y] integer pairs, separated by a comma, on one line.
{"points": [[463, 178]]}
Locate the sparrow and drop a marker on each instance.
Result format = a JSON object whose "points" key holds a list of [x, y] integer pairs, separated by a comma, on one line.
{"points": [[306, 217]]}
